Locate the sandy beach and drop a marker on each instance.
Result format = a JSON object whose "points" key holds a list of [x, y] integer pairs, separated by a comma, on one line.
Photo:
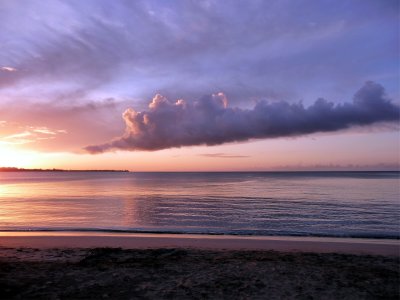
{"points": [[147, 266], [207, 242]]}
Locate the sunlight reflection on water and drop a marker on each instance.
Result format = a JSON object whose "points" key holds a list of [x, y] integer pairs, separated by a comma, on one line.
{"points": [[336, 204]]}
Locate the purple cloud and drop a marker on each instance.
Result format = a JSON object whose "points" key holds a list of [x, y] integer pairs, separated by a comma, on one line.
{"points": [[209, 121], [250, 49]]}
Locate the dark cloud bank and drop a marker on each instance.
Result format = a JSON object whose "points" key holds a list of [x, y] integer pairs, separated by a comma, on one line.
{"points": [[209, 121]]}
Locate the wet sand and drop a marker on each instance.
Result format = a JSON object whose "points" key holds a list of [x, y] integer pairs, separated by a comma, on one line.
{"points": [[72, 266], [143, 241]]}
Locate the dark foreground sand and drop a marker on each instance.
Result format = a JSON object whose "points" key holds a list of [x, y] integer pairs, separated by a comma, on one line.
{"points": [[41, 267], [114, 273]]}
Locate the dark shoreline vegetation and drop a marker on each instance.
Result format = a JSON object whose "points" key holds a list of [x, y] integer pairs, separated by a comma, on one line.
{"points": [[12, 169], [172, 273]]}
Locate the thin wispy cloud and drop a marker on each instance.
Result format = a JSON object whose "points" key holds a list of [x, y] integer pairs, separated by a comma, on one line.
{"points": [[27, 135], [8, 69], [71, 122], [222, 155], [209, 121], [341, 167]]}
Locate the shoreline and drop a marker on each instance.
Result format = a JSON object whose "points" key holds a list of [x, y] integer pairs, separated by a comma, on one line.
{"points": [[73, 265], [47, 240]]}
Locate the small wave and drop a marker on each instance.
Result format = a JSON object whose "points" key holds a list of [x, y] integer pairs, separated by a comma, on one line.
{"points": [[210, 232]]}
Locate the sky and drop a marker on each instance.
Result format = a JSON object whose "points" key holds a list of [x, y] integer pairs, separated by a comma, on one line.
{"points": [[200, 85]]}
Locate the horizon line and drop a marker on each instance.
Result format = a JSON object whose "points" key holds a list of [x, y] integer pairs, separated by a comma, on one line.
{"points": [[15, 169]]}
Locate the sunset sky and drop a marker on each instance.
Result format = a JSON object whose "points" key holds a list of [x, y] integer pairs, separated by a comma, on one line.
{"points": [[199, 85]]}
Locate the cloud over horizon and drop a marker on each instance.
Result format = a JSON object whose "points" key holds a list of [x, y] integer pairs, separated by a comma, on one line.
{"points": [[209, 120]]}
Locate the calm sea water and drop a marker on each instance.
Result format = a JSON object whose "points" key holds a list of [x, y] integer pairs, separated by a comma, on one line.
{"points": [[353, 204]]}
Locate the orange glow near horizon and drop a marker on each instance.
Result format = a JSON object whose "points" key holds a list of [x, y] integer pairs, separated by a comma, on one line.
{"points": [[11, 157], [279, 154]]}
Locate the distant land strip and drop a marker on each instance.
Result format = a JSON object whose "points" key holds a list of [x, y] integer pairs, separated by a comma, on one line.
{"points": [[11, 169]]}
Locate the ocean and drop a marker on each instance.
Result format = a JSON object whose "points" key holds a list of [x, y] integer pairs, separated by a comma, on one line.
{"points": [[336, 204]]}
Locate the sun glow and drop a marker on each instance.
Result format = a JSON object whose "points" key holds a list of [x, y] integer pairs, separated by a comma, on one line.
{"points": [[11, 157]]}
